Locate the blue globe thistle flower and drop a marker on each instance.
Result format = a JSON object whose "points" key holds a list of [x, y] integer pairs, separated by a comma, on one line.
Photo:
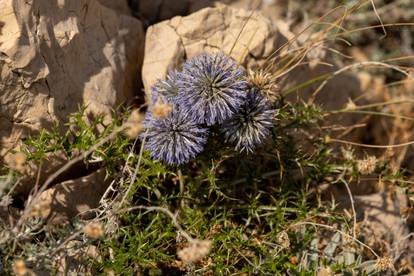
{"points": [[212, 88], [167, 88], [252, 123], [174, 139]]}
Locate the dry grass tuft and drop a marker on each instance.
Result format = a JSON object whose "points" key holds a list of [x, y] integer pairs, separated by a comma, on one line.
{"points": [[367, 166]]}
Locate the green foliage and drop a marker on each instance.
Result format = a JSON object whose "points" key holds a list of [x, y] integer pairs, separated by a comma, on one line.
{"points": [[78, 135], [242, 203]]}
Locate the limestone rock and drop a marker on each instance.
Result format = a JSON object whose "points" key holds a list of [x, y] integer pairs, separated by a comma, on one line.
{"points": [[382, 220], [73, 197], [57, 55], [270, 8], [336, 93], [39, 171], [247, 37], [383, 212]]}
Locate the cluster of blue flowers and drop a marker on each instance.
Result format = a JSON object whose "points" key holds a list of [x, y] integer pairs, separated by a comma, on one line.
{"points": [[210, 90]]}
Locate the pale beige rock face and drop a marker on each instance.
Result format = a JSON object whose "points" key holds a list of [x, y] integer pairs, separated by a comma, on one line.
{"points": [[270, 8], [239, 33], [56, 55], [39, 171], [381, 216]]}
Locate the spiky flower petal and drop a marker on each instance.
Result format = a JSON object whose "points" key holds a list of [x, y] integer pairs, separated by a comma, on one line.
{"points": [[174, 139], [212, 88], [167, 88], [252, 124]]}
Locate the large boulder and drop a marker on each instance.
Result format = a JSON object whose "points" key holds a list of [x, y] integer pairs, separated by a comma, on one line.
{"points": [[76, 197], [57, 55]]}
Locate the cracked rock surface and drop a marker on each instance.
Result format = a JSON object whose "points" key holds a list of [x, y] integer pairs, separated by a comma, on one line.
{"points": [[73, 197], [57, 55]]}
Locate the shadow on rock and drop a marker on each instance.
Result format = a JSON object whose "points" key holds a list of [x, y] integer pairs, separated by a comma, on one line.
{"points": [[59, 55]]}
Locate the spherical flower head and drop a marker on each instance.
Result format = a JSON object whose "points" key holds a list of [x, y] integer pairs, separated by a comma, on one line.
{"points": [[174, 139], [212, 88], [167, 88], [252, 123]]}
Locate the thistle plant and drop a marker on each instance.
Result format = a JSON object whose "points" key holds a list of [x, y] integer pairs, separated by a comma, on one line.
{"points": [[167, 88], [174, 139], [252, 123], [212, 88]]}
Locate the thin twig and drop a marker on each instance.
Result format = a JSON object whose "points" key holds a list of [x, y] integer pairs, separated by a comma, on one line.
{"points": [[181, 183], [134, 176], [354, 66], [371, 146], [130, 155], [379, 18], [351, 198]]}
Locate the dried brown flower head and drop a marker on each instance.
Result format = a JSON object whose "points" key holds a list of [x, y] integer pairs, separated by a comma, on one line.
{"points": [[195, 251], [350, 105], [367, 165], [16, 161], [348, 154], [6, 200], [19, 268], [265, 82], [324, 271], [294, 260], [161, 110], [283, 240], [40, 209], [383, 264], [94, 230], [134, 124]]}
